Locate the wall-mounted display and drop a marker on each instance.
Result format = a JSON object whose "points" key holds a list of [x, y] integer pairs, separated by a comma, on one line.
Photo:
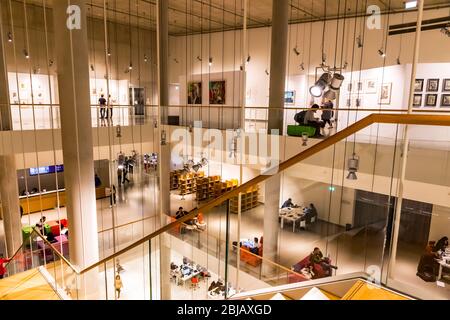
{"points": [[289, 97], [433, 85], [445, 102], [370, 86], [195, 93], [217, 92], [446, 85], [431, 100], [417, 102], [385, 93], [418, 85]]}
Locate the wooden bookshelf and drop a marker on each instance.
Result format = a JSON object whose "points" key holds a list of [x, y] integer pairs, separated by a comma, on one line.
{"points": [[213, 187], [185, 183], [249, 200]]}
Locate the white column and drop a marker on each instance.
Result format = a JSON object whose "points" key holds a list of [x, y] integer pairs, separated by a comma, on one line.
{"points": [[71, 48]]}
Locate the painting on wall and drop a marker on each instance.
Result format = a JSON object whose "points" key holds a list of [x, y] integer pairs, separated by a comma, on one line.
{"points": [[417, 102], [446, 85], [433, 85], [418, 85], [445, 102], [431, 100], [385, 93], [217, 92], [289, 97], [195, 93], [371, 86]]}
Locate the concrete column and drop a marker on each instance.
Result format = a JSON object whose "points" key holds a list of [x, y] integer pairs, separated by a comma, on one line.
{"points": [[73, 83], [164, 148], [278, 63], [9, 191], [271, 225]]}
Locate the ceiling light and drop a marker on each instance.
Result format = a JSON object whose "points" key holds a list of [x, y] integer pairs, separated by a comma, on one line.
{"points": [[359, 42], [410, 4], [10, 38], [196, 167], [248, 59], [109, 53], [353, 166], [296, 51], [199, 59], [382, 53], [50, 63], [330, 95], [92, 67], [25, 53], [210, 61], [267, 72], [317, 89], [204, 162], [130, 67], [336, 81], [145, 58], [302, 66]]}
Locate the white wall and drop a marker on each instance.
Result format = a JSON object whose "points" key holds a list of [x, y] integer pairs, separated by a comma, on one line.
{"points": [[440, 223]]}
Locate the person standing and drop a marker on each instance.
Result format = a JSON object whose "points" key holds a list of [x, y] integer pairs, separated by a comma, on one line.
{"points": [[2, 267], [112, 197], [102, 103], [109, 111], [327, 113], [118, 285]]}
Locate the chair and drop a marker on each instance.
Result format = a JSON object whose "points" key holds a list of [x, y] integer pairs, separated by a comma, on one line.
{"points": [[201, 224], [313, 219], [194, 283], [302, 223]]}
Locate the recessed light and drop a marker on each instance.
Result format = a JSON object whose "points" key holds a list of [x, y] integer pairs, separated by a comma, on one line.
{"points": [[410, 4]]}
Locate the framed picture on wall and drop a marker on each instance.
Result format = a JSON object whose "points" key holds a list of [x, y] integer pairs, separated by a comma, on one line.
{"points": [[289, 97], [385, 93], [370, 86], [446, 85], [418, 85], [217, 92], [433, 85], [417, 102], [445, 100], [194, 93], [431, 100]]}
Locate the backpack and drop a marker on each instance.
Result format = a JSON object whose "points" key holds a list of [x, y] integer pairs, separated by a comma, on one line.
{"points": [[300, 117]]}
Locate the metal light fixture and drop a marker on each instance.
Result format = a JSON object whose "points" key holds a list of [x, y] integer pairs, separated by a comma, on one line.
{"points": [[330, 94], [336, 81], [199, 59], [25, 53], [210, 61], [359, 42], [145, 58], [302, 66], [382, 53], [267, 72], [204, 162], [109, 53], [92, 67], [317, 89], [190, 164], [130, 66], [305, 138], [10, 37], [50, 63], [353, 166], [118, 131], [296, 51], [196, 167], [248, 59]]}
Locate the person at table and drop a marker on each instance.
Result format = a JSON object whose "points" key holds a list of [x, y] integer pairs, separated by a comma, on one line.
{"points": [[441, 245], [288, 204], [312, 121], [316, 257], [180, 213]]}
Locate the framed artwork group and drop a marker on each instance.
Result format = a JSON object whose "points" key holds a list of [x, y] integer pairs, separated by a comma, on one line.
{"points": [[427, 93], [359, 89], [217, 92]]}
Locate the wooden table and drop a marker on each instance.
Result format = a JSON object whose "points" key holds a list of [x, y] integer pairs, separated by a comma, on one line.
{"points": [[291, 214]]}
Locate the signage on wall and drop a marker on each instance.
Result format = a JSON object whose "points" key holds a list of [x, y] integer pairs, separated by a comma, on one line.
{"points": [[46, 170]]}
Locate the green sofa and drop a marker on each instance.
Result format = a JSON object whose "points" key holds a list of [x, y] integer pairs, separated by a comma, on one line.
{"points": [[297, 131]]}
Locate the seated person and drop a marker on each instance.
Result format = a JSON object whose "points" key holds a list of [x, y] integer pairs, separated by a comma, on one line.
{"points": [[428, 268], [441, 245], [180, 213], [40, 225], [173, 266], [255, 248], [316, 257], [288, 204], [312, 121]]}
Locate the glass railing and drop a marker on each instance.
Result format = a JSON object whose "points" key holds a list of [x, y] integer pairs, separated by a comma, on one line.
{"points": [[243, 240]]}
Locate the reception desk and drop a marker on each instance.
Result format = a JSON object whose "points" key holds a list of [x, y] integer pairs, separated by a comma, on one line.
{"points": [[49, 200]]}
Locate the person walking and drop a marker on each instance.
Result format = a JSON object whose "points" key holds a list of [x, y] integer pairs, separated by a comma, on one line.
{"points": [[102, 103], [2, 267], [118, 285]]}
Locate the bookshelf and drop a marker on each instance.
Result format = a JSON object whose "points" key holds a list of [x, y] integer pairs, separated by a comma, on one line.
{"points": [[249, 200], [185, 183], [213, 187]]}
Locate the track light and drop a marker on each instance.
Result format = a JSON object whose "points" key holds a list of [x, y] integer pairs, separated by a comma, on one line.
{"points": [[10, 38], [267, 72], [109, 53], [353, 166], [336, 81], [398, 61], [248, 59], [305, 138], [145, 58], [296, 51], [199, 59], [210, 61], [204, 162], [330, 95], [25, 53], [196, 167], [302, 66], [382, 53], [50, 63], [130, 66], [92, 67]]}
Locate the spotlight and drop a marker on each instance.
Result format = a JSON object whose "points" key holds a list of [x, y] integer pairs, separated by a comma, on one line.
{"points": [[336, 81], [25, 53], [109, 53], [382, 53], [353, 166], [302, 66], [92, 67], [145, 58], [398, 61], [10, 38], [203, 162], [317, 89], [267, 72], [296, 51], [210, 61], [330, 95], [130, 67], [190, 164], [50, 63], [248, 59], [199, 59], [196, 167]]}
